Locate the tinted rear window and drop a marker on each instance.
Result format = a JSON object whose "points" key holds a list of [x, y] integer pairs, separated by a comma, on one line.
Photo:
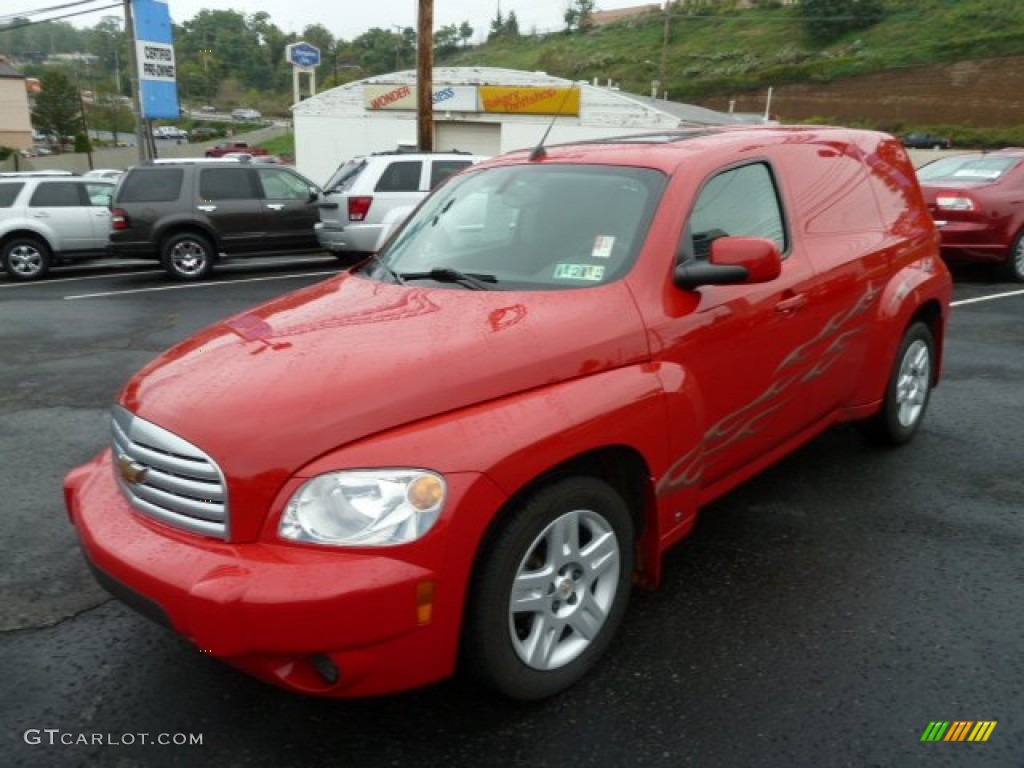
{"points": [[442, 169], [162, 185], [227, 184], [401, 176], [8, 192], [56, 194]]}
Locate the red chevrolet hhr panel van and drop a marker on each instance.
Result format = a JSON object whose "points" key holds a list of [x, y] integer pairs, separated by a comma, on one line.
{"points": [[470, 447]]}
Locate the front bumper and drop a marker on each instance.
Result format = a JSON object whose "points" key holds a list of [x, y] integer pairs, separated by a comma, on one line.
{"points": [[279, 611]]}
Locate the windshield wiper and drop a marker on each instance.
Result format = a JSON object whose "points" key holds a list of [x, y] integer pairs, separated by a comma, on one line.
{"points": [[474, 280]]}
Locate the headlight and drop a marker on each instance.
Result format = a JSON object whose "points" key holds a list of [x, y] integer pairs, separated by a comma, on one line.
{"points": [[365, 508]]}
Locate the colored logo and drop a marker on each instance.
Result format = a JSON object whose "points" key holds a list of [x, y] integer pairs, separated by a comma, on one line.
{"points": [[959, 730], [130, 471]]}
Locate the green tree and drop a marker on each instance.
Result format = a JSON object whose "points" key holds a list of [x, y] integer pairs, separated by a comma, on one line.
{"points": [[446, 39], [826, 20], [466, 33], [512, 25], [320, 36], [579, 15], [497, 25], [58, 109]]}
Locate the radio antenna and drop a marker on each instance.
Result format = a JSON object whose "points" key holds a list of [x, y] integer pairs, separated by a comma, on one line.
{"points": [[538, 152]]}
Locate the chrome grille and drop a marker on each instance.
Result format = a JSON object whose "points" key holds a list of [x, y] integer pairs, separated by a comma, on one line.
{"points": [[167, 478]]}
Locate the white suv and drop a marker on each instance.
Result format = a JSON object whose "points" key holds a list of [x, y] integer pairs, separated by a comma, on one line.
{"points": [[364, 190], [46, 220]]}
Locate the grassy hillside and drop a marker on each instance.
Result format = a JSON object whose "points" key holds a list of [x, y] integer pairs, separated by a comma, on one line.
{"points": [[726, 52]]}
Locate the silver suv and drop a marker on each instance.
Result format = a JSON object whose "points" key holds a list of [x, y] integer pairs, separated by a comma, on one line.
{"points": [[364, 190], [47, 220]]}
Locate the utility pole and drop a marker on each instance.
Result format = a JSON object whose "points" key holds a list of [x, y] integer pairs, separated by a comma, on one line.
{"points": [[664, 47], [141, 140], [425, 76]]}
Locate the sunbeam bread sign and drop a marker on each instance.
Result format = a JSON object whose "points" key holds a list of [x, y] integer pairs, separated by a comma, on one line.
{"points": [[154, 51]]}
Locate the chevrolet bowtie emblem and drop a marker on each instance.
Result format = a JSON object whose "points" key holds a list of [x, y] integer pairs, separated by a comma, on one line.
{"points": [[131, 472]]}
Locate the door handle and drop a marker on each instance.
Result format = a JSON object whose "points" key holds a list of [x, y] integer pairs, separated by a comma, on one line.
{"points": [[41, 215], [792, 304], [275, 206], [207, 208]]}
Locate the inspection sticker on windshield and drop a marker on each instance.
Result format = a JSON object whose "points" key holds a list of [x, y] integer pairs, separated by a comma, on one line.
{"points": [[603, 245], [579, 271]]}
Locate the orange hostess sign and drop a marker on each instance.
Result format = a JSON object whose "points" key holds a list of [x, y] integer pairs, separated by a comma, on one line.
{"points": [[530, 100]]}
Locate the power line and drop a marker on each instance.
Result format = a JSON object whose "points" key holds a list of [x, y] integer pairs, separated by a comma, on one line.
{"points": [[10, 27]]}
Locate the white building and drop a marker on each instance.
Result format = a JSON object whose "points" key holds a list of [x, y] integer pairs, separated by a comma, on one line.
{"points": [[482, 110]]}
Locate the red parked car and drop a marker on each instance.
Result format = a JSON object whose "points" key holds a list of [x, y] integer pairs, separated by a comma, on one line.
{"points": [[472, 446], [977, 200]]}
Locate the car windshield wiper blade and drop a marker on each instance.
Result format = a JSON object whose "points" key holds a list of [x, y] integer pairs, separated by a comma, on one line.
{"points": [[474, 280]]}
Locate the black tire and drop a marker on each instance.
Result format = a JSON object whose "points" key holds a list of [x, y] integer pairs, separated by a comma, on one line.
{"points": [[584, 583], [187, 255], [1014, 269], [908, 390], [26, 258]]}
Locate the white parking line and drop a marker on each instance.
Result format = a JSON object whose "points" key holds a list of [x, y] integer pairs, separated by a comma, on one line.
{"points": [[993, 297], [53, 280], [197, 285]]}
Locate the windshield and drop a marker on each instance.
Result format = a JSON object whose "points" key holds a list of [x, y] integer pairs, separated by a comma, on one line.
{"points": [[533, 227], [978, 167]]}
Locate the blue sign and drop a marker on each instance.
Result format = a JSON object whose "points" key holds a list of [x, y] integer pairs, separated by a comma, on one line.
{"points": [[303, 55], [154, 51]]}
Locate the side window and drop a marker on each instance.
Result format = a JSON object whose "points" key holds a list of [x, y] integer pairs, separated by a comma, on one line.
{"points": [[401, 176], [56, 194], [158, 185], [442, 169], [739, 202], [99, 194], [226, 184], [8, 194], [281, 185]]}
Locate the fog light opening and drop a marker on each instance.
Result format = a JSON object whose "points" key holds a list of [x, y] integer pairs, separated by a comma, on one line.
{"points": [[326, 668]]}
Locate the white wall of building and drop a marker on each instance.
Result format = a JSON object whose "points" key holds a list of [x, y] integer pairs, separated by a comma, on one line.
{"points": [[335, 125]]}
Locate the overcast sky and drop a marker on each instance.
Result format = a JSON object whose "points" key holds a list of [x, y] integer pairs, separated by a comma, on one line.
{"points": [[348, 19]]}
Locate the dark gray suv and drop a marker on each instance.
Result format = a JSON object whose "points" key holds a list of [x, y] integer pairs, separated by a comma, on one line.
{"points": [[188, 214]]}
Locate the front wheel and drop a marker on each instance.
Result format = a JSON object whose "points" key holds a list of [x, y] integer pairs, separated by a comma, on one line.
{"points": [[906, 396], [551, 589], [1015, 262], [187, 256], [26, 258]]}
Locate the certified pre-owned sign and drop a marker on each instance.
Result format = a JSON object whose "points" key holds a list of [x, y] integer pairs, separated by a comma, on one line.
{"points": [[156, 61]]}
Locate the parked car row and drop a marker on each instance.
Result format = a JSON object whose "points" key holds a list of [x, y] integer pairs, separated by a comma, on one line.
{"points": [[190, 213]]}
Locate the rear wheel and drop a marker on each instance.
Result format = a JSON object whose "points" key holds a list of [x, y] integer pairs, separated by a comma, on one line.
{"points": [[26, 258], [1015, 262], [906, 396], [551, 589], [187, 256]]}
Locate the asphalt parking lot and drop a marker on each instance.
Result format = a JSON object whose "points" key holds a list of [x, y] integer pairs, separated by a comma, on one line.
{"points": [[823, 614]]}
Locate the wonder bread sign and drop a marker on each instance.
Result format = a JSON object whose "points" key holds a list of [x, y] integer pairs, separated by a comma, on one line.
{"points": [[517, 100]]}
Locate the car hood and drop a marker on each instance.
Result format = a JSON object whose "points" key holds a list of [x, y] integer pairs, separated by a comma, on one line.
{"points": [[267, 391]]}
